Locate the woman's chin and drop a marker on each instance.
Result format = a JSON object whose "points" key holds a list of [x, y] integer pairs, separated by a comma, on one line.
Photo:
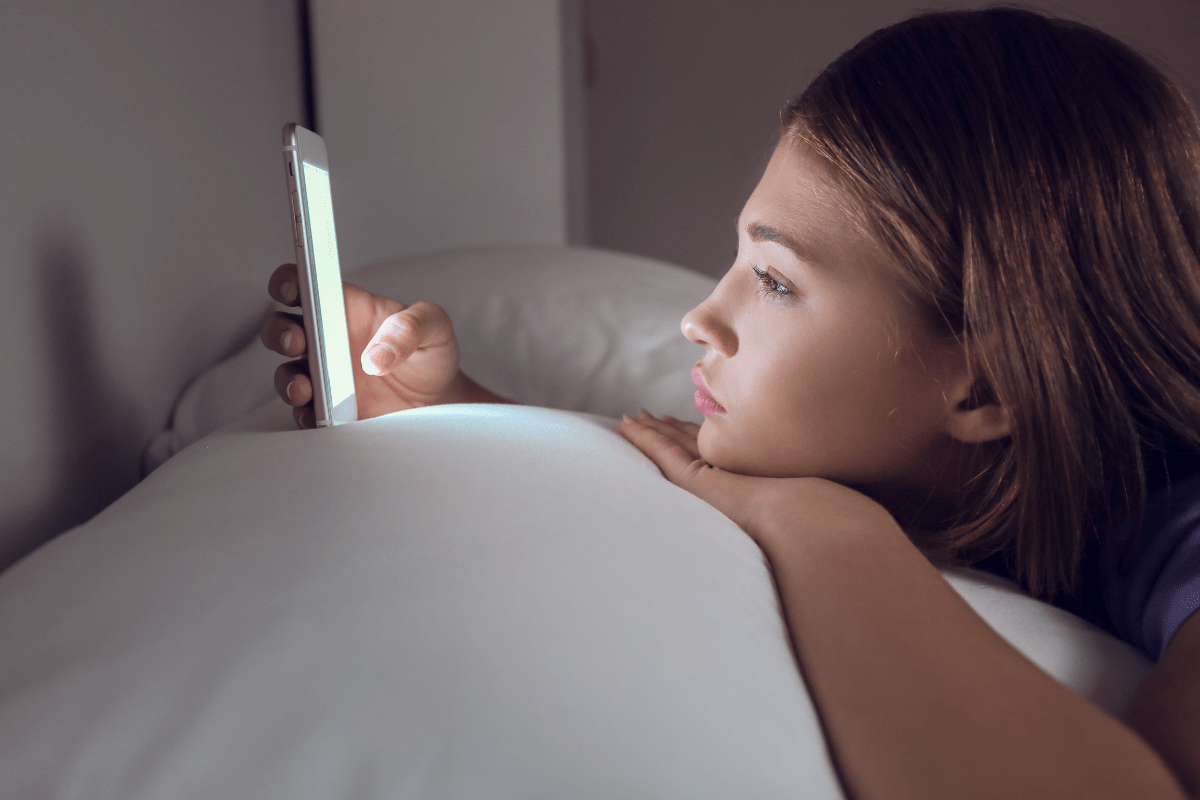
{"points": [[716, 453], [719, 454]]}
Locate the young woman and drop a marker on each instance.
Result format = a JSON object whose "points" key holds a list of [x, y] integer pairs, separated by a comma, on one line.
{"points": [[963, 327]]}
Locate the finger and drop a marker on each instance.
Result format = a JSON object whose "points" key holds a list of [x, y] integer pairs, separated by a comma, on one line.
{"points": [[673, 460], [690, 428], [729, 493], [284, 285], [292, 383], [683, 437], [687, 430], [283, 333], [421, 325], [305, 417]]}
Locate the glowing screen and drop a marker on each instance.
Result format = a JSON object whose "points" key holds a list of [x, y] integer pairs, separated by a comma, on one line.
{"points": [[330, 310]]}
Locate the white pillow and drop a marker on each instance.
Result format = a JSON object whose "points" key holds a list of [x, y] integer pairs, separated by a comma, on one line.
{"points": [[565, 327], [452, 602]]}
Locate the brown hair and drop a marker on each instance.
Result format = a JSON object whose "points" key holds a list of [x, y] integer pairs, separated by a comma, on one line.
{"points": [[1038, 184]]}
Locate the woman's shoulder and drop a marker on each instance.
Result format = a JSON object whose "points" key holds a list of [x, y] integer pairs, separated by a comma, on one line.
{"points": [[1142, 581], [1148, 574], [1166, 467]]}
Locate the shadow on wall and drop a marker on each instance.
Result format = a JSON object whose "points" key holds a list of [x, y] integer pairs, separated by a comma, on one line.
{"points": [[95, 442]]}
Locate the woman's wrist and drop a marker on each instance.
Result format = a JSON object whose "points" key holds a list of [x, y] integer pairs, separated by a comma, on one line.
{"points": [[801, 517], [464, 389]]}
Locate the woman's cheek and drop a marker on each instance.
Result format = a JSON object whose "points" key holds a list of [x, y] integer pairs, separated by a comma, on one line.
{"points": [[713, 449], [726, 450], [704, 441]]}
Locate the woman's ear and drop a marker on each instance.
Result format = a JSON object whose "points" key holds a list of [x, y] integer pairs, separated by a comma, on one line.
{"points": [[978, 417]]}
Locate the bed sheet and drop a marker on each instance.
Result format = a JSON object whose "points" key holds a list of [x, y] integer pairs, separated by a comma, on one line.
{"points": [[452, 602]]}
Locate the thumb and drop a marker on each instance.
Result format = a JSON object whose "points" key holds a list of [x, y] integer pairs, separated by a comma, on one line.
{"points": [[420, 326]]}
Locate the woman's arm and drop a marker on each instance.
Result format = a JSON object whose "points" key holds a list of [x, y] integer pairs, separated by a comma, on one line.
{"points": [[1166, 708], [464, 389], [919, 697]]}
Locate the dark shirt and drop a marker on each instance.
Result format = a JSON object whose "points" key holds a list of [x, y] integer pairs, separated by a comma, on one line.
{"points": [[1144, 597]]}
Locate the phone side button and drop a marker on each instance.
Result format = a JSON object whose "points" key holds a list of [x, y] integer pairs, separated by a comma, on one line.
{"points": [[297, 225]]}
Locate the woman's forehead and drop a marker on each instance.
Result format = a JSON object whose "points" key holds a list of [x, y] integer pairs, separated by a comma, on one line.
{"points": [[800, 200]]}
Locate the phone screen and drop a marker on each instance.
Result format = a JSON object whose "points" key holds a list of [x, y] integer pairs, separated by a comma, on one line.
{"points": [[330, 311]]}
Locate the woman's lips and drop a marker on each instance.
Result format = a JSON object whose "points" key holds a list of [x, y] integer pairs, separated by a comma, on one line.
{"points": [[705, 403]]}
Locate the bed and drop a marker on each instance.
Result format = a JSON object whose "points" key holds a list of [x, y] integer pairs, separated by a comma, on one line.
{"points": [[452, 602]]}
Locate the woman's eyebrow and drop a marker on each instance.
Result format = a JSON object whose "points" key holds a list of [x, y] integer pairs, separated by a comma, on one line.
{"points": [[759, 232]]}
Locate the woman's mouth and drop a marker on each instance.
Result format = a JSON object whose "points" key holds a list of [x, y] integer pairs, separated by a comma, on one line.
{"points": [[705, 403]]}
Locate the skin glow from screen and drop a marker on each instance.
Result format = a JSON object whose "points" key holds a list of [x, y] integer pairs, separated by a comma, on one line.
{"points": [[330, 310]]}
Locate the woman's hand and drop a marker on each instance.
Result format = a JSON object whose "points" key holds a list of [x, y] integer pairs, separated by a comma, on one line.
{"points": [[773, 511], [671, 444], [404, 356]]}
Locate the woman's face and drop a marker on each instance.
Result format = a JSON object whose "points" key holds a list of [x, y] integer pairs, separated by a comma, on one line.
{"points": [[802, 364]]}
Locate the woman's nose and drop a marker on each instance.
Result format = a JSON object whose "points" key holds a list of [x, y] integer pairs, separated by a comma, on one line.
{"points": [[706, 326]]}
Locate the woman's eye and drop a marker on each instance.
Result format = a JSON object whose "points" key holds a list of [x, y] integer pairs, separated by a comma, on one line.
{"points": [[768, 286]]}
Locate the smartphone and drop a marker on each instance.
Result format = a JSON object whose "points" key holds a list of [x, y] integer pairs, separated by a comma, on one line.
{"points": [[329, 365]]}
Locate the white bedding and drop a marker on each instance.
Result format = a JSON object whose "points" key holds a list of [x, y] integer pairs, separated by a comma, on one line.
{"points": [[453, 602]]}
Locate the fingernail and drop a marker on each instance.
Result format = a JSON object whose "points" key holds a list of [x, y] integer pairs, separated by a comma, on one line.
{"points": [[289, 291], [289, 390], [285, 340], [643, 414], [381, 357]]}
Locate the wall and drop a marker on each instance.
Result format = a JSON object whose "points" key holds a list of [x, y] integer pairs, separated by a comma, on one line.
{"points": [[141, 209], [142, 203], [444, 122], [684, 97], [141, 200]]}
